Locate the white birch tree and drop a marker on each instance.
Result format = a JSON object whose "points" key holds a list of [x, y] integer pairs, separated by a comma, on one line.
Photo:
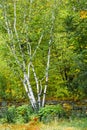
{"points": [[20, 46]]}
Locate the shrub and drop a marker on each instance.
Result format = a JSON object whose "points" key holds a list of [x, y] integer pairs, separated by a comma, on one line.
{"points": [[3, 120], [19, 119], [3, 113], [50, 112], [11, 113], [23, 113], [20, 114]]}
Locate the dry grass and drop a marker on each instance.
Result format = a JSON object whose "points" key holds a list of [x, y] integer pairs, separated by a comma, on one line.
{"points": [[57, 126], [19, 127], [35, 125], [28, 127]]}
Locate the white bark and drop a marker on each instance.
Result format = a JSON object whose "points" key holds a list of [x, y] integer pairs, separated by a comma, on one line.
{"points": [[29, 91], [16, 33], [37, 86], [47, 69], [48, 60]]}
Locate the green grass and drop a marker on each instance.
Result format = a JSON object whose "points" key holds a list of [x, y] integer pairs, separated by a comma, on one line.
{"points": [[75, 124]]}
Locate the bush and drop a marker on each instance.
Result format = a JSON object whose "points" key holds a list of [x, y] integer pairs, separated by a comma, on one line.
{"points": [[3, 120], [19, 119], [50, 112], [23, 113], [3, 113], [11, 114], [20, 114]]}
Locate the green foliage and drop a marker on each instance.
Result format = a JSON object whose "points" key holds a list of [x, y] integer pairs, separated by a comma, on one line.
{"points": [[11, 112], [76, 31], [3, 85], [68, 71], [20, 114], [3, 120], [48, 113], [10, 86], [24, 113]]}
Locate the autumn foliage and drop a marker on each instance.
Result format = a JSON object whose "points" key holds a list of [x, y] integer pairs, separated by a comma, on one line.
{"points": [[83, 14]]}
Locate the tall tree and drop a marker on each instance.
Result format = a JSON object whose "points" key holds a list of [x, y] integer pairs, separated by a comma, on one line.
{"points": [[29, 26], [76, 31]]}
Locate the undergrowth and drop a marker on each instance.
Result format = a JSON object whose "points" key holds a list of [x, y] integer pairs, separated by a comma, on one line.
{"points": [[25, 114]]}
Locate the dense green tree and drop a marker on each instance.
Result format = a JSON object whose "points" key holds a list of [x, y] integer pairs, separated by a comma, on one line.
{"points": [[76, 30]]}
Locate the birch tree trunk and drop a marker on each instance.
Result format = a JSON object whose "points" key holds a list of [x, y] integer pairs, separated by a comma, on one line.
{"points": [[48, 59]]}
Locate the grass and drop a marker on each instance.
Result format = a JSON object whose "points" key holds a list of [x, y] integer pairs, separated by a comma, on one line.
{"points": [[76, 124]]}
